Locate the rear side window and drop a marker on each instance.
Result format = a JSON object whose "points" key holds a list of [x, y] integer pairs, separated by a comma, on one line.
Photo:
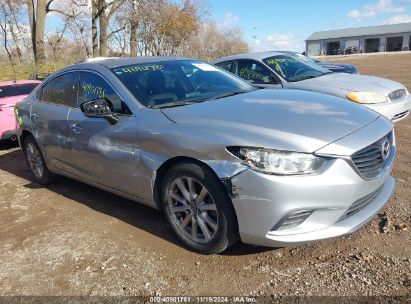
{"points": [[61, 90], [17, 89], [226, 65], [93, 87]]}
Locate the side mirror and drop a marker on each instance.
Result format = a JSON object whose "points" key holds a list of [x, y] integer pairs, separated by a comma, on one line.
{"points": [[99, 108]]}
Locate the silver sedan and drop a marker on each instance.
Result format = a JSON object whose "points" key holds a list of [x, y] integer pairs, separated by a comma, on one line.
{"points": [[223, 160], [293, 71]]}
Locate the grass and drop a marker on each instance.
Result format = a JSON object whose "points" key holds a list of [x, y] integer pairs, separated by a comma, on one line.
{"points": [[25, 70]]}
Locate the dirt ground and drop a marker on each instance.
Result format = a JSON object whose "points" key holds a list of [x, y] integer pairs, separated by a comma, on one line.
{"points": [[73, 239]]}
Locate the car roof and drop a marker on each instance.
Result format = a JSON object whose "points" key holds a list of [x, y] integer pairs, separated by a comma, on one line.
{"points": [[9, 83], [257, 56], [113, 62]]}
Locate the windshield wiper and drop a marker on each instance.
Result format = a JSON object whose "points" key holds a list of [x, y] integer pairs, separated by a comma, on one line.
{"points": [[174, 104], [229, 94], [304, 78], [326, 73], [188, 102]]}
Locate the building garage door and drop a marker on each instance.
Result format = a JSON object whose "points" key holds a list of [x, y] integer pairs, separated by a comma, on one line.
{"points": [[313, 49], [352, 43]]}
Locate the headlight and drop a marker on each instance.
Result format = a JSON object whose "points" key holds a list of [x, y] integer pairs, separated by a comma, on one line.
{"points": [[366, 97], [277, 162]]}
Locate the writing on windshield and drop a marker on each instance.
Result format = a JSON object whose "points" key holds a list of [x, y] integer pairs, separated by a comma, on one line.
{"points": [[293, 68]]}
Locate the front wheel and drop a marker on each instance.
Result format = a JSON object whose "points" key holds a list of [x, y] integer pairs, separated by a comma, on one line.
{"points": [[199, 209], [36, 162]]}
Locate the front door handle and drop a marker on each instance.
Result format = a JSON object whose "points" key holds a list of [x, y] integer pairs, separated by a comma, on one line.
{"points": [[75, 127], [35, 116]]}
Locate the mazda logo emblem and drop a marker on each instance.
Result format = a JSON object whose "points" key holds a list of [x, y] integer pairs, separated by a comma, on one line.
{"points": [[385, 149]]}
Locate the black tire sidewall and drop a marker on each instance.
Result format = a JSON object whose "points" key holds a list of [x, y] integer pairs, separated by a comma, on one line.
{"points": [[47, 177], [227, 231]]}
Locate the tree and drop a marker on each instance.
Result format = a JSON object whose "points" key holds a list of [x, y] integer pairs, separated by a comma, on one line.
{"points": [[37, 18], [102, 11], [212, 42]]}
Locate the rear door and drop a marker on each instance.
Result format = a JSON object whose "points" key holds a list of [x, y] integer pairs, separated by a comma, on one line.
{"points": [[101, 152], [49, 116]]}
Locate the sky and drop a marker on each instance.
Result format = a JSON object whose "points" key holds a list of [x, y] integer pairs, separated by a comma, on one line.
{"points": [[284, 25]]}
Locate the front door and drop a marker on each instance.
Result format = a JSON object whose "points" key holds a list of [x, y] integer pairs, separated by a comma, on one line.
{"points": [[101, 152], [257, 74]]}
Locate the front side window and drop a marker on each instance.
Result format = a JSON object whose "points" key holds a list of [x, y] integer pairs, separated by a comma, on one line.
{"points": [[61, 90], [295, 68], [93, 87], [178, 82], [253, 72], [17, 89]]}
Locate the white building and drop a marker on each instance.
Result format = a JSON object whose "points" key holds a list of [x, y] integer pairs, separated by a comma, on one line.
{"points": [[381, 38]]}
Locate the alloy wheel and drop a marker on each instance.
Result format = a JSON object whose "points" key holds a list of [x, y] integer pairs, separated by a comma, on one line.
{"points": [[34, 159], [192, 209]]}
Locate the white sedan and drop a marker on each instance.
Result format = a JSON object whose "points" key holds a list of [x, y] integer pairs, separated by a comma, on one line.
{"points": [[290, 71]]}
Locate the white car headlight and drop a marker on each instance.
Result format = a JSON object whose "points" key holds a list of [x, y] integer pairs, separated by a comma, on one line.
{"points": [[366, 97], [278, 162]]}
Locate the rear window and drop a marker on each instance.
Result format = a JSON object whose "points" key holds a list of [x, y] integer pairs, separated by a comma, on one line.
{"points": [[17, 89]]}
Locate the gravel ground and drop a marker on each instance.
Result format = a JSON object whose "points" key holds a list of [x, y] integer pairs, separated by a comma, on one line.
{"points": [[73, 239]]}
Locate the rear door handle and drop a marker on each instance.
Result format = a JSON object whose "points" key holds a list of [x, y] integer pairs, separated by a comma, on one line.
{"points": [[75, 127]]}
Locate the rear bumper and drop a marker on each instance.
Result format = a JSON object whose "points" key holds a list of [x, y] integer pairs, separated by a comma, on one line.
{"points": [[394, 111]]}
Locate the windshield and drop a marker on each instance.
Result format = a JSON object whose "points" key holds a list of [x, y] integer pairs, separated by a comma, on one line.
{"points": [[178, 82], [295, 67], [17, 89]]}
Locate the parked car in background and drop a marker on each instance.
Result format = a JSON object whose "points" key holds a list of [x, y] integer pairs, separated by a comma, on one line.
{"points": [[10, 93], [351, 50], [222, 159], [336, 52], [39, 76], [337, 67], [290, 71]]}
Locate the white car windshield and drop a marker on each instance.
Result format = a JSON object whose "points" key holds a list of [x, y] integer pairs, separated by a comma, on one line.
{"points": [[295, 68], [178, 82]]}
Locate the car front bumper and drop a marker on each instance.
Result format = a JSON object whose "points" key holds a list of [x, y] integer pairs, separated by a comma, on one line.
{"points": [[336, 200], [394, 111], [262, 201]]}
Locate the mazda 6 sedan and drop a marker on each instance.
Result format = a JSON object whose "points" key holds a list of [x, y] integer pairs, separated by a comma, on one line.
{"points": [[292, 71], [223, 160]]}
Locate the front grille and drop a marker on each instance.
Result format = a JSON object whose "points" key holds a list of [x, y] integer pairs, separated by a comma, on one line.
{"points": [[360, 204], [371, 160], [394, 95]]}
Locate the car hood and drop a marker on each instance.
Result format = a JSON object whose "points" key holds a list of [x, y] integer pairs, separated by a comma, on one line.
{"points": [[350, 82], [290, 120]]}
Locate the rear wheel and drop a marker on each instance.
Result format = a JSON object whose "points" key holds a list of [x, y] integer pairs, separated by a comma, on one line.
{"points": [[36, 162], [199, 209]]}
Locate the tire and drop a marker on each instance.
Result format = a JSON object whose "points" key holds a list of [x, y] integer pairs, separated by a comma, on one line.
{"points": [[201, 215], [36, 162]]}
